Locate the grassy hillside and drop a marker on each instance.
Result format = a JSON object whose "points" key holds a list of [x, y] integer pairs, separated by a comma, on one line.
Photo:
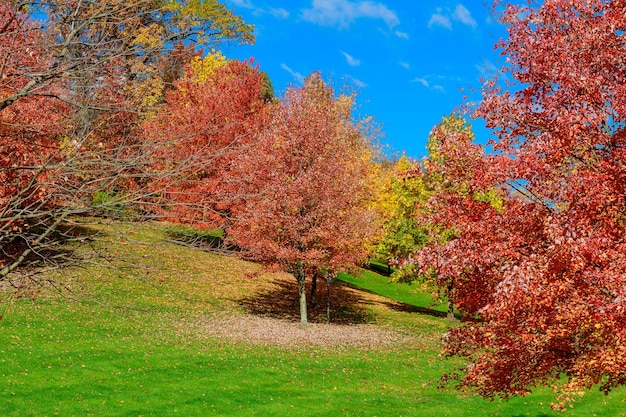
{"points": [[189, 333], [412, 295]]}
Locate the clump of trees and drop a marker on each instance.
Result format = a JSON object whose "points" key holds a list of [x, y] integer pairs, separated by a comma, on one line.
{"points": [[308, 188], [74, 90], [538, 255], [289, 181], [401, 192], [412, 197], [111, 106]]}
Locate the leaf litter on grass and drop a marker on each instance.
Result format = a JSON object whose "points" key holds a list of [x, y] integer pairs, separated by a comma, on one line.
{"points": [[278, 325], [269, 331]]}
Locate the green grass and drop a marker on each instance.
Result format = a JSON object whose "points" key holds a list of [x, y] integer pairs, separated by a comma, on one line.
{"points": [[120, 345], [405, 293], [380, 267]]}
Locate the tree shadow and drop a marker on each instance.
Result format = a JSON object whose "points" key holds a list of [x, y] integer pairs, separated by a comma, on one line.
{"points": [[408, 308], [35, 257], [207, 241], [402, 307], [196, 238], [282, 301], [384, 270], [58, 247]]}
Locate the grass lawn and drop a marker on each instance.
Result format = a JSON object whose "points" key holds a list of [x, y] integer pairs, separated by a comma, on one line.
{"points": [[125, 342], [410, 294]]}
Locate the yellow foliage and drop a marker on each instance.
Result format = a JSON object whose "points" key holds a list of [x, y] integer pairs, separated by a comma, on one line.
{"points": [[150, 36], [224, 24], [150, 92], [344, 106], [204, 68], [400, 193], [452, 123], [67, 144], [492, 197], [145, 93]]}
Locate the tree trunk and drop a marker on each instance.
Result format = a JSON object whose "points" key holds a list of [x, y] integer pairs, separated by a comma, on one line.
{"points": [[450, 315], [329, 281], [301, 278], [313, 295]]}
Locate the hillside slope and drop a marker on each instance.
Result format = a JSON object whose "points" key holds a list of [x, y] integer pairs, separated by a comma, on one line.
{"points": [[157, 329]]}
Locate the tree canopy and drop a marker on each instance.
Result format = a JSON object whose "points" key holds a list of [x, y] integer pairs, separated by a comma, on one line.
{"points": [[543, 269], [214, 113], [74, 88], [306, 184]]}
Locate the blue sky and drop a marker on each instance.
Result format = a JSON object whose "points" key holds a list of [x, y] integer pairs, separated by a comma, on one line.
{"points": [[411, 62]]}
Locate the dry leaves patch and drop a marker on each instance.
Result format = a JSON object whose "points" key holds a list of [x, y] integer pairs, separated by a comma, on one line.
{"points": [[271, 318], [270, 331]]}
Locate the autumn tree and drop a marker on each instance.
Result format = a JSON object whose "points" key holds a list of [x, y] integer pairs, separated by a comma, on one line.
{"points": [[412, 224], [544, 273], [216, 111], [29, 127], [306, 182], [73, 91], [448, 175], [401, 192]]}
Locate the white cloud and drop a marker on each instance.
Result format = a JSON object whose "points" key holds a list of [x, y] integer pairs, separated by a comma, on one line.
{"points": [[464, 16], [359, 83], [404, 65], [278, 13], [352, 61], [299, 77], [401, 34], [342, 13], [444, 18], [427, 84], [246, 4], [422, 81], [438, 19]]}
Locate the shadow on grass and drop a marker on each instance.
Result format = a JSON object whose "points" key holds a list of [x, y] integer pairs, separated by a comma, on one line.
{"points": [[57, 248], [408, 308], [196, 237], [379, 268], [346, 307], [208, 241], [39, 249], [400, 306]]}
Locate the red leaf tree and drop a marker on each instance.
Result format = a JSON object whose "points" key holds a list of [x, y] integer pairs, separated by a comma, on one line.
{"points": [[31, 120], [544, 274], [73, 91], [206, 121], [307, 187]]}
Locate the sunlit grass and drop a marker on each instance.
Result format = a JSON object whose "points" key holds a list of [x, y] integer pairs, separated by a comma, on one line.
{"points": [[116, 345], [406, 293]]}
